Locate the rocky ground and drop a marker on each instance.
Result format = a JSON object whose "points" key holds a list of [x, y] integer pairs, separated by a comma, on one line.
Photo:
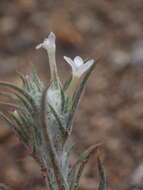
{"points": [[111, 111]]}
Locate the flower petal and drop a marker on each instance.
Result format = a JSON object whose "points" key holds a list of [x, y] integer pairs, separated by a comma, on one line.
{"points": [[39, 46], [52, 38], [50, 46], [78, 61], [51, 41], [70, 62], [83, 68], [48, 43]]}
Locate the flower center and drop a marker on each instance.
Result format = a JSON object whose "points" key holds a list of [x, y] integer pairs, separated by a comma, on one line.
{"points": [[78, 61]]}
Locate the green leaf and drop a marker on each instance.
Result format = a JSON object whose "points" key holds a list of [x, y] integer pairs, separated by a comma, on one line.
{"points": [[8, 95], [28, 97], [26, 104], [6, 118], [21, 128], [29, 124], [15, 106], [77, 169], [68, 149], [15, 127], [25, 120], [103, 180], [67, 83], [62, 99], [77, 95], [61, 127], [36, 79], [24, 81], [19, 99]]}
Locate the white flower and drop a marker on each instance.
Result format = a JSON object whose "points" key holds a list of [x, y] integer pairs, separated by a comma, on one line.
{"points": [[49, 43], [78, 66], [50, 46]]}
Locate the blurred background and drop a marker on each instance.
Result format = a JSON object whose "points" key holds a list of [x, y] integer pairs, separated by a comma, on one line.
{"points": [[111, 111]]}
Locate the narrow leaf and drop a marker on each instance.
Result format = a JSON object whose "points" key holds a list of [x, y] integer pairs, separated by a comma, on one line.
{"points": [[15, 127], [24, 81], [67, 83], [68, 149], [19, 99], [61, 127], [23, 132], [28, 97], [103, 180], [6, 118], [78, 167], [62, 99], [8, 95], [10, 105], [36, 79]]}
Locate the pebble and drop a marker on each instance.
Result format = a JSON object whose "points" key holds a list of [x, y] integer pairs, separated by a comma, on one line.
{"points": [[137, 53], [119, 59]]}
